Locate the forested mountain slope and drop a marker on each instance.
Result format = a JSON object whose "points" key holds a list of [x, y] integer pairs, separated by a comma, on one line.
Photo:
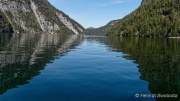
{"points": [[154, 18]]}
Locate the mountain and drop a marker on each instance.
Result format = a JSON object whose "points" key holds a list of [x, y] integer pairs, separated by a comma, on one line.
{"points": [[35, 16], [154, 18], [101, 31]]}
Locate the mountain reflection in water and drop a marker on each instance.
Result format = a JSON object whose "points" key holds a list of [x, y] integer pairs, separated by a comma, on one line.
{"points": [[158, 59], [95, 70], [23, 56]]}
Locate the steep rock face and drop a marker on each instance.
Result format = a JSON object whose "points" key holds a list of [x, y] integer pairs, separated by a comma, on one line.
{"points": [[37, 16], [4, 24], [154, 18]]}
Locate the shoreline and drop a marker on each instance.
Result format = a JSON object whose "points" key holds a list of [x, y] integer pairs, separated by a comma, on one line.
{"points": [[174, 37], [94, 36]]}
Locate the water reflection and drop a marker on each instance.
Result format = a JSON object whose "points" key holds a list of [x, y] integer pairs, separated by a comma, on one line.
{"points": [[158, 59], [23, 56]]}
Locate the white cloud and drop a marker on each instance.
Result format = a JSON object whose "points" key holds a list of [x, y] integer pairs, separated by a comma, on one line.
{"points": [[112, 3]]}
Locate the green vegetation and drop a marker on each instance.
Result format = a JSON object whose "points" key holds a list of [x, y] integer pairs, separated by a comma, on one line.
{"points": [[95, 31], [154, 18]]}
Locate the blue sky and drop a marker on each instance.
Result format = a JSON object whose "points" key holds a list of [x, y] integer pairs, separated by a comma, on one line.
{"points": [[96, 13]]}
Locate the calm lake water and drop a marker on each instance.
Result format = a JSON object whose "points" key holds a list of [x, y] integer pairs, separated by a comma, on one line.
{"points": [[70, 68]]}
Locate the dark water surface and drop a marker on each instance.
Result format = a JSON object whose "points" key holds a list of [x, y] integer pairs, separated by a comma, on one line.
{"points": [[70, 68]]}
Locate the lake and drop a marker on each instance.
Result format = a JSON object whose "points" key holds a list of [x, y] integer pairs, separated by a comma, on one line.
{"points": [[40, 67]]}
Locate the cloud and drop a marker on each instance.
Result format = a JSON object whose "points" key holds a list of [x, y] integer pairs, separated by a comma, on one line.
{"points": [[112, 3]]}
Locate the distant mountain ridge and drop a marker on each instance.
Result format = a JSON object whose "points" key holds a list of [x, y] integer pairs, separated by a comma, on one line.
{"points": [[35, 16], [154, 18], [101, 31]]}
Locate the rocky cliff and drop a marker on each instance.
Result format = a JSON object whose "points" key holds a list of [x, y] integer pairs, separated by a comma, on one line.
{"points": [[154, 18], [35, 16]]}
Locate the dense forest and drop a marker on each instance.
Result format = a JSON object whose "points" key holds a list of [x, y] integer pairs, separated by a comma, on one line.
{"points": [[154, 18]]}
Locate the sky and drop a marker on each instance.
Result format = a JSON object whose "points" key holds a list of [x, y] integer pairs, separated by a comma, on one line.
{"points": [[96, 13]]}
